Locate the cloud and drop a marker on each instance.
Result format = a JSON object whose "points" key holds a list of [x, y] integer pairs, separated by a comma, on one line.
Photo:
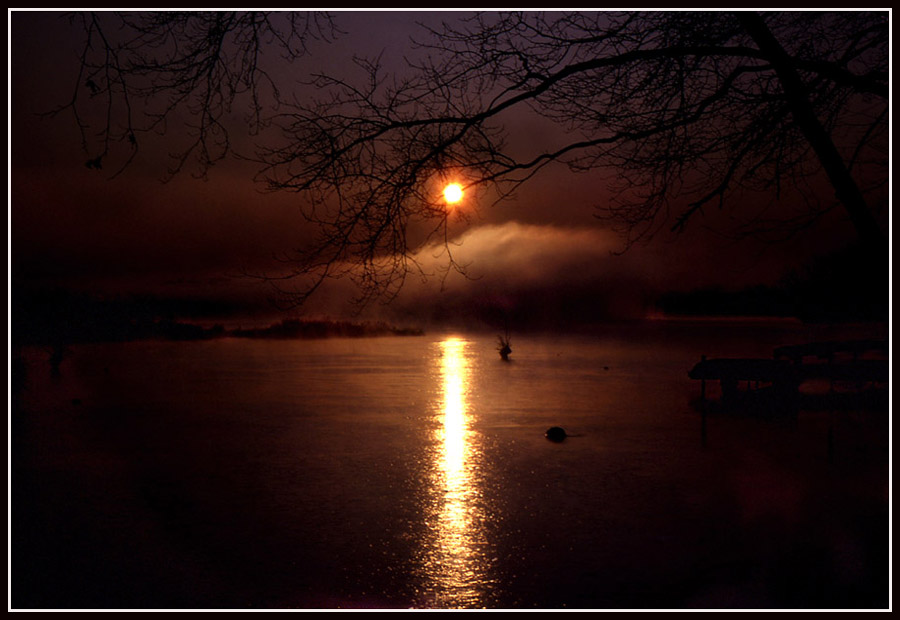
{"points": [[533, 274], [524, 254]]}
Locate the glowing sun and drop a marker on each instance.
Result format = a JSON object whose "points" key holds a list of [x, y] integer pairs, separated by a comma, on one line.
{"points": [[453, 193]]}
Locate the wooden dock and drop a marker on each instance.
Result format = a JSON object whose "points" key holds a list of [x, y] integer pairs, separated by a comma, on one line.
{"points": [[856, 362]]}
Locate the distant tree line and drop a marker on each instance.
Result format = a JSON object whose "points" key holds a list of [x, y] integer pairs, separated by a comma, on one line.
{"points": [[837, 287], [59, 318], [324, 328]]}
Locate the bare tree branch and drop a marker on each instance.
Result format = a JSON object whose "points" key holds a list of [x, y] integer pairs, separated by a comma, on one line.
{"points": [[190, 65], [684, 110]]}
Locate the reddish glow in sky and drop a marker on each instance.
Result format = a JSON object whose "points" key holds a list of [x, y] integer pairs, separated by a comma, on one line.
{"points": [[76, 227]]}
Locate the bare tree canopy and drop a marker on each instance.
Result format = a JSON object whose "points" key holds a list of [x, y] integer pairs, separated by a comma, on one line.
{"points": [[681, 110], [140, 72]]}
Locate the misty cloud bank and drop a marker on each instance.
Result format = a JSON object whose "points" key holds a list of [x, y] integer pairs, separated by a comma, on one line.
{"points": [[547, 276], [528, 275], [520, 276]]}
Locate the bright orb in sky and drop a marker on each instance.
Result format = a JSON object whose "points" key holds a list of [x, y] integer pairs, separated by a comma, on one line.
{"points": [[453, 193]]}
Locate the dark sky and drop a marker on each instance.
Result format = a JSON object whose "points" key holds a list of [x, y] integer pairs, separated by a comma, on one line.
{"points": [[188, 238]]}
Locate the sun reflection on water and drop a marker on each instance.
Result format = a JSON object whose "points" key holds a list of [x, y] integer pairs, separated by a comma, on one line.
{"points": [[455, 564]]}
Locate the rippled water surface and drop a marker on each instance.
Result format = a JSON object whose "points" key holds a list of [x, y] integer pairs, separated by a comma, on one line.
{"points": [[414, 472]]}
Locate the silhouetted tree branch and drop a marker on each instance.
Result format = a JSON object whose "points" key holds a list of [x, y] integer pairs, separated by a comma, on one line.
{"points": [[145, 71], [684, 111]]}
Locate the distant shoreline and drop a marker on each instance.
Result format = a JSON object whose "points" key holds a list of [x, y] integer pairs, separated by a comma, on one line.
{"points": [[323, 328], [178, 331], [135, 330]]}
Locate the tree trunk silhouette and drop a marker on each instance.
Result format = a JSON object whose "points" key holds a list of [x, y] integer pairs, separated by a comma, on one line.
{"points": [[845, 188]]}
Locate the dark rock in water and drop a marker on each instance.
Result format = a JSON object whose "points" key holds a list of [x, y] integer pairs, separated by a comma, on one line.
{"points": [[556, 433]]}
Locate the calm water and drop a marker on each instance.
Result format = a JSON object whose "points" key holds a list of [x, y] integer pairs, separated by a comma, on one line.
{"points": [[414, 472]]}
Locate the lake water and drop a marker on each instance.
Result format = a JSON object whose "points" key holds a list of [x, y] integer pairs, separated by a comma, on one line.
{"points": [[414, 472]]}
